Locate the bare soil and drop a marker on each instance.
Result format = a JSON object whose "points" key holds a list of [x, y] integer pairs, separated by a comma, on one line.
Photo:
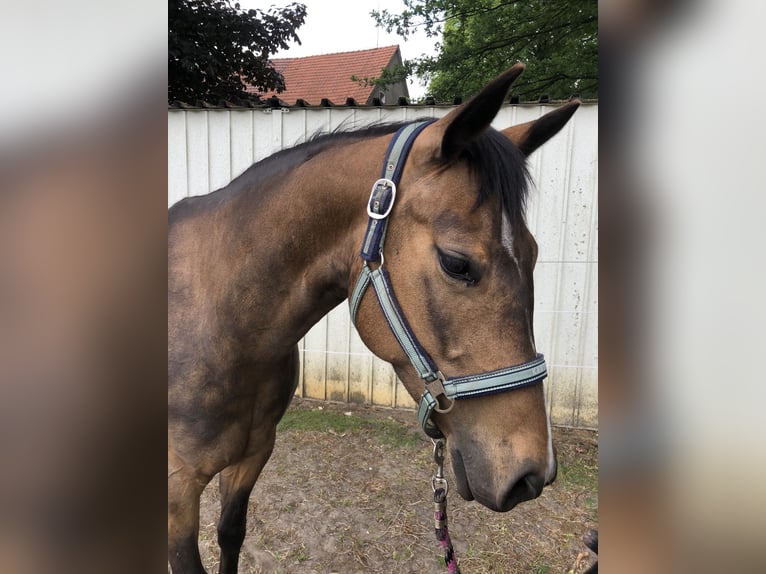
{"points": [[348, 491]]}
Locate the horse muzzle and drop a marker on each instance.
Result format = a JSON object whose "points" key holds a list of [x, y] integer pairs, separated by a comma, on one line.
{"points": [[477, 482]]}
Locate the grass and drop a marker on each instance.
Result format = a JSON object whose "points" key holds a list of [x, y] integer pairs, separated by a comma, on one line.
{"points": [[388, 432], [579, 473], [351, 492]]}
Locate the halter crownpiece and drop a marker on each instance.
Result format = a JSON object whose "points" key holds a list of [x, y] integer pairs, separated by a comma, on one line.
{"points": [[379, 208]]}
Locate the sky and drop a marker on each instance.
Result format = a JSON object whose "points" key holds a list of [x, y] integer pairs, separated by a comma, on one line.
{"points": [[346, 25]]}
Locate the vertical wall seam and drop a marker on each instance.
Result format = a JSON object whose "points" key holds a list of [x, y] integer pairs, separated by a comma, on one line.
{"points": [[207, 133], [571, 134], [186, 152], [563, 239], [349, 334], [231, 148], [538, 174], [559, 265]]}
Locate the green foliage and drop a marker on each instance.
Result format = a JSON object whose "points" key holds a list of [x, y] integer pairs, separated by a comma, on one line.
{"points": [[388, 77], [213, 46], [556, 39]]}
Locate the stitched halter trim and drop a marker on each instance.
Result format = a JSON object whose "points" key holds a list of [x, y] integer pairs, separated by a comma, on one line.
{"points": [[436, 384]]}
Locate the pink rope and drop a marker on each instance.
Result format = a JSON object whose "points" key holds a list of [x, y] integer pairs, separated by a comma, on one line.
{"points": [[442, 532]]}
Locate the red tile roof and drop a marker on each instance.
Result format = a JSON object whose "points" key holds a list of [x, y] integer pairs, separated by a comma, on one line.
{"points": [[329, 75]]}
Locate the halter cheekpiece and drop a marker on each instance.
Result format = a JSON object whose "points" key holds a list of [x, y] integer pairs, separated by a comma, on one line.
{"points": [[437, 386]]}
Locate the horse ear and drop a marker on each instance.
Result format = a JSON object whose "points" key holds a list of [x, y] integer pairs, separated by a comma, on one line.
{"points": [[469, 120], [531, 135]]}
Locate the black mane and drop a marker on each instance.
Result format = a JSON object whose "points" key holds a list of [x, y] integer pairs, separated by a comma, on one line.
{"points": [[497, 163]]}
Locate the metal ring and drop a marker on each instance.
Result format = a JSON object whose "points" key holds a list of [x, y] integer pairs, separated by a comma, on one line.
{"points": [[439, 482]]}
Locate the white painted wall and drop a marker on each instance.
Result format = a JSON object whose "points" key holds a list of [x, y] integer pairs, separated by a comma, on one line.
{"points": [[208, 148]]}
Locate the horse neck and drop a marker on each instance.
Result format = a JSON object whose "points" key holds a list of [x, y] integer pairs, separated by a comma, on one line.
{"points": [[301, 241]]}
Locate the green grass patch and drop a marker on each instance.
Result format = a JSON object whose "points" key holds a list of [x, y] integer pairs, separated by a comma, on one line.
{"points": [[579, 473], [388, 432]]}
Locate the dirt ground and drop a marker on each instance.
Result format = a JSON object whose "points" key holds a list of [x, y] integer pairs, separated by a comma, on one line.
{"points": [[348, 491]]}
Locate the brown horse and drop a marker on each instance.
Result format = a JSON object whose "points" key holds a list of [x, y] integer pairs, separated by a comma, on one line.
{"points": [[254, 265]]}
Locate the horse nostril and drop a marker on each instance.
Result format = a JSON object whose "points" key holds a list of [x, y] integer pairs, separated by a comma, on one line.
{"points": [[527, 487], [535, 484]]}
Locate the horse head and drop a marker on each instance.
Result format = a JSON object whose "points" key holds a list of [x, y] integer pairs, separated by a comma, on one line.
{"points": [[460, 259]]}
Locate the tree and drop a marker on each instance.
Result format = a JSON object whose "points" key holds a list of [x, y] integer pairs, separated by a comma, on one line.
{"points": [[214, 47], [556, 39]]}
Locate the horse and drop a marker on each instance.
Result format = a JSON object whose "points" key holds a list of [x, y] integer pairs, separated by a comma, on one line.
{"points": [[254, 265]]}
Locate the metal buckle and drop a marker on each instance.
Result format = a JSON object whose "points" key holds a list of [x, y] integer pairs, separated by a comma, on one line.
{"points": [[388, 183]]}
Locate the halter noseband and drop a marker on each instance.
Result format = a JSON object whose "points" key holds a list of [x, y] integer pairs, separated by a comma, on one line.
{"points": [[436, 384]]}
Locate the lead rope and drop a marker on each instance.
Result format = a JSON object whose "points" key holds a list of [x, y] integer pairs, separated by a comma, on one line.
{"points": [[439, 486]]}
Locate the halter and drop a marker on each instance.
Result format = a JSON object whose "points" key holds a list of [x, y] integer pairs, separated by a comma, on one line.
{"points": [[379, 207]]}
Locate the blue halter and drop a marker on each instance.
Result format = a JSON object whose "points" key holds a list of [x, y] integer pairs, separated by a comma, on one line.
{"points": [[436, 384]]}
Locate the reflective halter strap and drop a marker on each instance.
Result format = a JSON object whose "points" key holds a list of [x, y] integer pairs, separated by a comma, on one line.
{"points": [[379, 207]]}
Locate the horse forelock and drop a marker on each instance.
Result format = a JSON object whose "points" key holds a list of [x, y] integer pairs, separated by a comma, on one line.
{"points": [[501, 170]]}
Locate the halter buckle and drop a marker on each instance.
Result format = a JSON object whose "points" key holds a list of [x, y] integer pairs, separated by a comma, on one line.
{"points": [[377, 195]]}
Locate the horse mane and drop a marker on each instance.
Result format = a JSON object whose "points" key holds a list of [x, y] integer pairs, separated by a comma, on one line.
{"points": [[497, 163]]}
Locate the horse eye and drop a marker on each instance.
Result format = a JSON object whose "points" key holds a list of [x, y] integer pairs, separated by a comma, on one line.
{"points": [[456, 267]]}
